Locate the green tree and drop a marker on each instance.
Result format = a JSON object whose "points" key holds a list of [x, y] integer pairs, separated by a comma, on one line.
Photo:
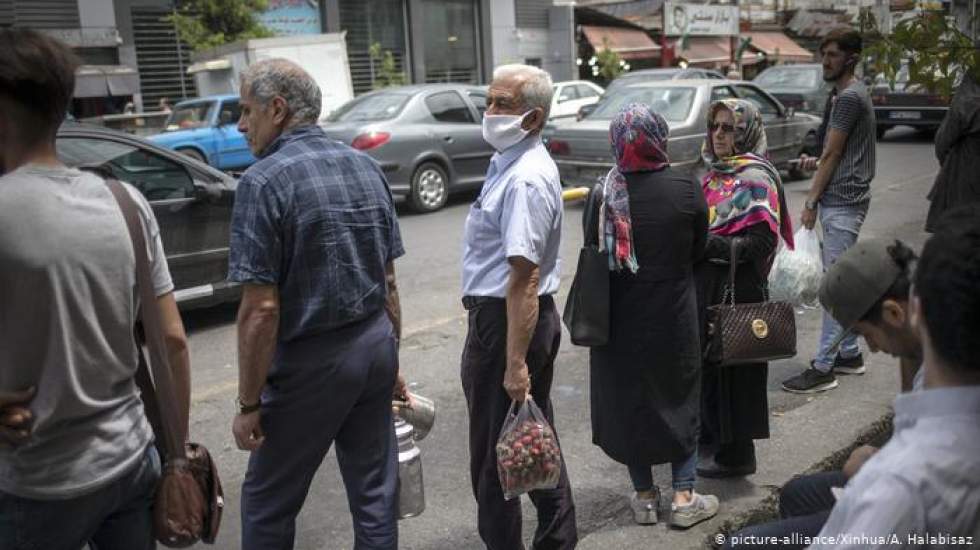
{"points": [[205, 24], [384, 69], [609, 63], [937, 52]]}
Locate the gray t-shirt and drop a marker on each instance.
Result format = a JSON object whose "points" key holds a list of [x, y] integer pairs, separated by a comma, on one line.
{"points": [[852, 113], [68, 303]]}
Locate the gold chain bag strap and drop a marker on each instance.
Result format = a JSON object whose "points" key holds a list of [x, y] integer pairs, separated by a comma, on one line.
{"points": [[189, 499], [748, 333]]}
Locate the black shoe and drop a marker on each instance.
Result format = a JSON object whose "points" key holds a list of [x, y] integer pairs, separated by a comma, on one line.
{"points": [[811, 381], [709, 468], [849, 365]]}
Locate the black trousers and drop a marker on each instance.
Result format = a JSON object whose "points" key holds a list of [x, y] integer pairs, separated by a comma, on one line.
{"points": [[804, 505], [483, 365]]}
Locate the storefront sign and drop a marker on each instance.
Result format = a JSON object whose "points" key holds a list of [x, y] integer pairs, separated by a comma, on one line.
{"points": [[700, 20], [292, 17]]}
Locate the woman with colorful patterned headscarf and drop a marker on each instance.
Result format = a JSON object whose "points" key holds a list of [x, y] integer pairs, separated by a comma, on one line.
{"points": [[645, 382], [747, 210]]}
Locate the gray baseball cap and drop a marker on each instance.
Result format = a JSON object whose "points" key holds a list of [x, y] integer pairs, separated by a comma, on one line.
{"points": [[856, 281]]}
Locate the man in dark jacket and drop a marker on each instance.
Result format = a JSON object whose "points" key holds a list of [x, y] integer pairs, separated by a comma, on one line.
{"points": [[958, 151]]}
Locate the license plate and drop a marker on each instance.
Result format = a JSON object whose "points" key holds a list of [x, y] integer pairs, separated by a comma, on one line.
{"points": [[905, 115]]}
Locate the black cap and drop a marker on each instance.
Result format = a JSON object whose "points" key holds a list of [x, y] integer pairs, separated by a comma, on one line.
{"points": [[856, 281]]}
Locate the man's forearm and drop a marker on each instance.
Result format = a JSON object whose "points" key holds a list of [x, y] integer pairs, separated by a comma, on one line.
{"points": [[828, 165], [522, 314], [393, 305], [180, 370], [257, 331]]}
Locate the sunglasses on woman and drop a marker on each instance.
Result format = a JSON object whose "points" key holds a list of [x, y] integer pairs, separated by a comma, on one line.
{"points": [[725, 128]]}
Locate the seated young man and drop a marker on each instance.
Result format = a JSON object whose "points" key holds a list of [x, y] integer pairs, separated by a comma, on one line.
{"points": [[922, 489], [867, 292]]}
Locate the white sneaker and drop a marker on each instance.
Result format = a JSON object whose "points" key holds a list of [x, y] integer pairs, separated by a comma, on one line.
{"points": [[645, 509], [700, 508]]}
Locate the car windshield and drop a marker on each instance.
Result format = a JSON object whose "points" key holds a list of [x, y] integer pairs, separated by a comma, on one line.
{"points": [[371, 107], [192, 115], [788, 78], [674, 104]]}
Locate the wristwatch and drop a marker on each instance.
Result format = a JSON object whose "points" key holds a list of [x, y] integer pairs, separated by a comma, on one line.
{"points": [[245, 408], [810, 205]]}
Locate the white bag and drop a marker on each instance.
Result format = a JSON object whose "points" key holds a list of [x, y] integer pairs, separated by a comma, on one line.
{"points": [[796, 274]]}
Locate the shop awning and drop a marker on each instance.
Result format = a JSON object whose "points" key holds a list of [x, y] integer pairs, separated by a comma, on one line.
{"points": [[628, 43], [778, 47], [105, 80], [711, 52]]}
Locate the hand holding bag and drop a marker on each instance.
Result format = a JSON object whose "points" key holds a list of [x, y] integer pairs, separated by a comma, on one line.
{"points": [[586, 313], [739, 334], [189, 499]]}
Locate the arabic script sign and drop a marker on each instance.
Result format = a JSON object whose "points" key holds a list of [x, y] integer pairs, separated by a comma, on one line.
{"points": [[292, 17], [700, 20]]}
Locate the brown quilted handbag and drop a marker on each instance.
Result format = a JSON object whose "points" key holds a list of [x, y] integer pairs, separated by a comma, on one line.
{"points": [[749, 333]]}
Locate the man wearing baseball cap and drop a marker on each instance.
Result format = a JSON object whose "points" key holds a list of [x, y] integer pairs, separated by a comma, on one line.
{"points": [[866, 291]]}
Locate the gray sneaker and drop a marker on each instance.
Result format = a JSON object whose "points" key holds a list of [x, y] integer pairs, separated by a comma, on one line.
{"points": [[701, 507], [645, 509]]}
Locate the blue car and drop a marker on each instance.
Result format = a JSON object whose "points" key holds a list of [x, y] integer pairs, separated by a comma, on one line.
{"points": [[206, 129]]}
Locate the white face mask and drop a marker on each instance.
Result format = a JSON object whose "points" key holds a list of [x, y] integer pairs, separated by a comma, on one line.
{"points": [[504, 131]]}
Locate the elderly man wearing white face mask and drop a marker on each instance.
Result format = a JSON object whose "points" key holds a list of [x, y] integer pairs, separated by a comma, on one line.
{"points": [[510, 277]]}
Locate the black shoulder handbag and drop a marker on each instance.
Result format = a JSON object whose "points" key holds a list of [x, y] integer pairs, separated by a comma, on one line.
{"points": [[739, 334], [586, 313]]}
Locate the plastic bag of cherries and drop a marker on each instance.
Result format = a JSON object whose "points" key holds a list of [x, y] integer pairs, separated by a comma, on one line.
{"points": [[528, 456]]}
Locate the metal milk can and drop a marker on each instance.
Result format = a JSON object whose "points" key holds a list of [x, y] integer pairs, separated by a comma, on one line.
{"points": [[411, 495]]}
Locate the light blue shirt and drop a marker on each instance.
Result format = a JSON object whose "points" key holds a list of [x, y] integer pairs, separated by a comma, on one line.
{"points": [[921, 486], [518, 213]]}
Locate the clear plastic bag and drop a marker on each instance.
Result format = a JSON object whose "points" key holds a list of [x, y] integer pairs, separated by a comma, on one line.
{"points": [[528, 456], [796, 274]]}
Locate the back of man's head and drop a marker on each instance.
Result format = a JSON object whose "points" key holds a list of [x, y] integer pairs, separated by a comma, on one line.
{"points": [[947, 283], [37, 80]]}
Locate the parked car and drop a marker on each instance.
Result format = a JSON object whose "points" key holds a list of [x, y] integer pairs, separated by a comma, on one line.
{"points": [[572, 95], [206, 130], [652, 75], [906, 104], [192, 203], [428, 138], [800, 87], [666, 73], [582, 149]]}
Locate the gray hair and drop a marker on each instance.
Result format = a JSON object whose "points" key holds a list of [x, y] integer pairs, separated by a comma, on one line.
{"points": [[536, 87], [280, 77]]}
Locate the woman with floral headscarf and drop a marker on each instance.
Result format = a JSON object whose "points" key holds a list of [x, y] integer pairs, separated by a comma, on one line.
{"points": [[747, 210], [645, 382]]}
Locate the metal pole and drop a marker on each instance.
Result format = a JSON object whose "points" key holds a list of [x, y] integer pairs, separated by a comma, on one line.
{"points": [[180, 54]]}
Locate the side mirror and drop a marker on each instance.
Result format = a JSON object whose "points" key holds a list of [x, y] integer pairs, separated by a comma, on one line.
{"points": [[585, 110], [206, 193], [790, 112]]}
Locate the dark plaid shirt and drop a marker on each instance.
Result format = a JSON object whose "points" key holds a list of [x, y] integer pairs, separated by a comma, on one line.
{"points": [[315, 218]]}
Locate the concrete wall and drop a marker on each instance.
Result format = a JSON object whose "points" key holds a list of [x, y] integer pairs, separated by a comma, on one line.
{"points": [[553, 46], [96, 13]]}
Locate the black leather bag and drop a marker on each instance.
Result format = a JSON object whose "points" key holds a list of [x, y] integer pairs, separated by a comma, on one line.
{"points": [[739, 334], [586, 313]]}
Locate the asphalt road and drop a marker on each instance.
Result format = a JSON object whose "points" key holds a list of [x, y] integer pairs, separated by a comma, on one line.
{"points": [[434, 327]]}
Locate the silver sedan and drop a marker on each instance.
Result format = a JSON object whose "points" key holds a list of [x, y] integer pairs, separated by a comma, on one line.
{"points": [[427, 138], [582, 148]]}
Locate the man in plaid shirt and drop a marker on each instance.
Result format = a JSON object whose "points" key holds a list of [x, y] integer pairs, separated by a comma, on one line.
{"points": [[314, 237]]}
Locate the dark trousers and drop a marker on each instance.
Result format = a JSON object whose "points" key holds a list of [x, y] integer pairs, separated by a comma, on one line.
{"points": [[115, 517], [333, 387], [483, 365], [804, 505]]}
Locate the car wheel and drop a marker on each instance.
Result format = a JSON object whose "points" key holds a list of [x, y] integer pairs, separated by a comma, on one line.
{"points": [[430, 188], [880, 131], [194, 154]]}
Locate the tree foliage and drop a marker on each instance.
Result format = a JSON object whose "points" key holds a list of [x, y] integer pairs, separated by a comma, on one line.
{"points": [[205, 24], [384, 69], [609, 63], [936, 51]]}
